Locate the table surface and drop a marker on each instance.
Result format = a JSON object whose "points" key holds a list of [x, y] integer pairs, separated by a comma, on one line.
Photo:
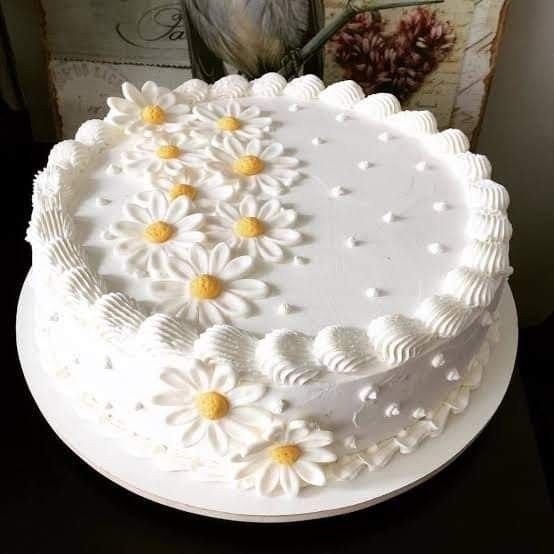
{"points": [[493, 497]]}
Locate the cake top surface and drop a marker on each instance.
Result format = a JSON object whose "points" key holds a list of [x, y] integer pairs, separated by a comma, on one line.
{"points": [[371, 224], [272, 205]]}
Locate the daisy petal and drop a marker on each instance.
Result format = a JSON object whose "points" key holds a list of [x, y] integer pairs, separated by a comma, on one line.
{"points": [[252, 416], [272, 151], [128, 246], [246, 394], [217, 439], [270, 250], [177, 210], [133, 95], [237, 267], [287, 237], [172, 398], [249, 288], [174, 378], [219, 257], [319, 455], [232, 305], [248, 206], [269, 209], [267, 480], [194, 432], [136, 213], [198, 258], [310, 473], [254, 147], [315, 439], [238, 431], [289, 480], [223, 379], [182, 416]]}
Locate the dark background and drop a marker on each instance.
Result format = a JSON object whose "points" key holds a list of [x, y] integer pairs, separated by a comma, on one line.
{"points": [[494, 498]]}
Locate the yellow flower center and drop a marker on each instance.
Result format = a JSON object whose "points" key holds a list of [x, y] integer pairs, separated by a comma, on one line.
{"points": [[212, 405], [286, 454], [248, 165], [205, 287], [182, 189], [229, 123], [158, 232], [168, 151], [249, 227], [153, 114]]}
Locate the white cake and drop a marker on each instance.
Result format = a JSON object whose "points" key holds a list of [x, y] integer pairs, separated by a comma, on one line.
{"points": [[268, 284]]}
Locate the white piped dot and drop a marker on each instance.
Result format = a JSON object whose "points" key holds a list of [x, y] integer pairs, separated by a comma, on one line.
{"points": [[438, 360], [267, 129], [419, 413], [384, 136], [368, 394], [102, 202], [299, 260], [139, 406], [486, 320], [364, 165], [338, 191], [453, 375], [106, 235], [294, 108], [341, 117], [113, 169], [435, 248], [108, 363], [372, 292], [350, 442], [389, 217], [279, 406], [421, 166], [284, 309], [392, 410], [318, 141], [440, 206], [352, 242]]}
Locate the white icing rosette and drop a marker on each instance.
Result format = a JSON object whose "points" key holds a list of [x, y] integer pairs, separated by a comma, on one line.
{"points": [[153, 230], [255, 165], [209, 287], [229, 118], [153, 109], [292, 457], [212, 408], [203, 189], [259, 228], [165, 153]]}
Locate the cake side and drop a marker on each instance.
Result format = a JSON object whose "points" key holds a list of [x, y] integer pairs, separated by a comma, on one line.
{"points": [[292, 368]]}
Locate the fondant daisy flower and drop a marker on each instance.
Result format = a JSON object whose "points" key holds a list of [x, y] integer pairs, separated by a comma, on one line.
{"points": [[261, 230], [153, 230], [153, 109], [164, 153], [209, 287], [215, 119], [291, 457], [203, 189], [255, 165], [212, 407]]}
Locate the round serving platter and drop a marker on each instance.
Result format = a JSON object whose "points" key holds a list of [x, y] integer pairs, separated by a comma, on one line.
{"points": [[174, 489]]}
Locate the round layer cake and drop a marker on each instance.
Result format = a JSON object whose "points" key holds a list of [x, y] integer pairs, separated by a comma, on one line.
{"points": [[270, 284]]}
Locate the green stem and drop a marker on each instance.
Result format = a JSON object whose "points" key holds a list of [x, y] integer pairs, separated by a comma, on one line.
{"points": [[339, 21]]}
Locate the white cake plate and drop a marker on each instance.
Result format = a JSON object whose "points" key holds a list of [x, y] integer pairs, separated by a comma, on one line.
{"points": [[221, 501]]}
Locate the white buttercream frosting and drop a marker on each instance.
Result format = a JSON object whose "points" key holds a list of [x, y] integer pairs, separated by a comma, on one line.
{"points": [[413, 122], [342, 349], [378, 106], [396, 338], [333, 373], [343, 95], [304, 88], [488, 195]]}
